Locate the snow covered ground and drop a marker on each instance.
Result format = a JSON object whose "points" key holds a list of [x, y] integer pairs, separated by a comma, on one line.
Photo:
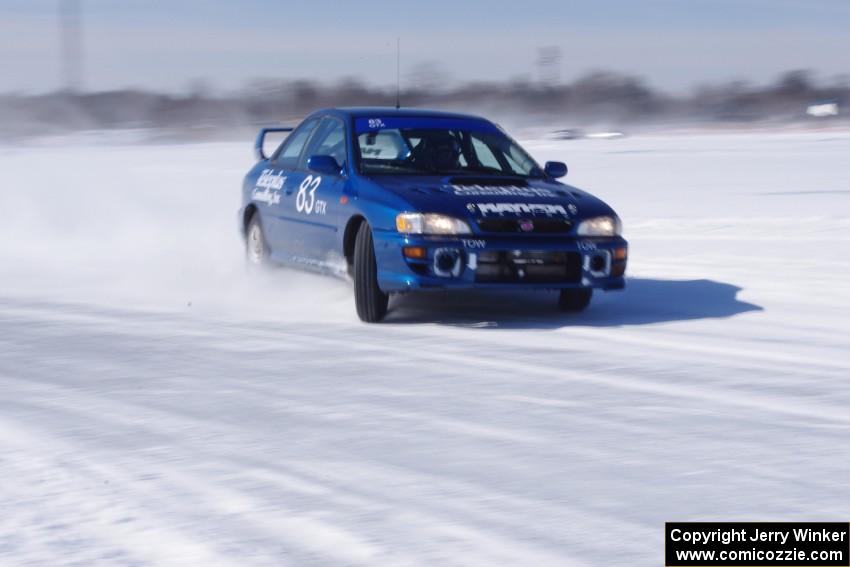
{"points": [[160, 407]]}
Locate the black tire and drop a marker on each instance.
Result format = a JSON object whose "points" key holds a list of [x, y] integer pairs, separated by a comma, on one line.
{"points": [[256, 248], [370, 301], [575, 300]]}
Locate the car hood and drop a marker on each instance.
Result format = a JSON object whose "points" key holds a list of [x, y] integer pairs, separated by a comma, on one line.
{"points": [[493, 197]]}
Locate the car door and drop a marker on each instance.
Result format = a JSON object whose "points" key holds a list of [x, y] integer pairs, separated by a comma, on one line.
{"points": [[318, 193], [280, 218]]}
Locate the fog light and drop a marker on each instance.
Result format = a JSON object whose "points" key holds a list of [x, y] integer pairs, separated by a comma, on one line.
{"points": [[415, 252], [447, 262], [597, 263]]}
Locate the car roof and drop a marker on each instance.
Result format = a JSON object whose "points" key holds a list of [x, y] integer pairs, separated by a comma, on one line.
{"points": [[369, 111]]}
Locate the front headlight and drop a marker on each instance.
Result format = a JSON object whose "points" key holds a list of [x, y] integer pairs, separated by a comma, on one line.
{"points": [[600, 226], [429, 223]]}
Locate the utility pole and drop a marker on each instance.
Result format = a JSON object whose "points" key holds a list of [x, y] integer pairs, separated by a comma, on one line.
{"points": [[549, 64], [71, 45]]}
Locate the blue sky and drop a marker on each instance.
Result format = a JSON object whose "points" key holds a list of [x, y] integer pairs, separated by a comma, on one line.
{"points": [[672, 43]]}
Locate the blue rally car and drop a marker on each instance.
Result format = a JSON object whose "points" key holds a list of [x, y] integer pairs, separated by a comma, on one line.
{"points": [[407, 200]]}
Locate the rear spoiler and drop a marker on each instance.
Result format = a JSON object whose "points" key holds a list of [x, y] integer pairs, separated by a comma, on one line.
{"points": [[261, 138]]}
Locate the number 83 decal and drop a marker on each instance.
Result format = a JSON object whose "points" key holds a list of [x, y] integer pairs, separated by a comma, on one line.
{"points": [[305, 200]]}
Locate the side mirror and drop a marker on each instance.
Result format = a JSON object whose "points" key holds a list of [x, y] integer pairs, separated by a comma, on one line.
{"points": [[555, 169], [324, 164]]}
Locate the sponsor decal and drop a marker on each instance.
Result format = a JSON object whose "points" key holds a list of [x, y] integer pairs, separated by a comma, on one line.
{"points": [[474, 244], [586, 245], [371, 152], [500, 191], [572, 208], [265, 196], [268, 186], [376, 123], [268, 180], [517, 209], [526, 225]]}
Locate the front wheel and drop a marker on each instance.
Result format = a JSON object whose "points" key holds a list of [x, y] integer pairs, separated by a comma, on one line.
{"points": [[370, 301], [575, 300]]}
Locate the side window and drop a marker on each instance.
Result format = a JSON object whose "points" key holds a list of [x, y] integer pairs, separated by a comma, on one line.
{"points": [[287, 155], [328, 141]]}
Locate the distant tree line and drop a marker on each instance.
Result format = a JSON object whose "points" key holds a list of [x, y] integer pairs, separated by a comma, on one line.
{"points": [[601, 97]]}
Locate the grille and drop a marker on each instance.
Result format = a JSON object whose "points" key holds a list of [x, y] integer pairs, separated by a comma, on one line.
{"points": [[523, 266], [539, 226]]}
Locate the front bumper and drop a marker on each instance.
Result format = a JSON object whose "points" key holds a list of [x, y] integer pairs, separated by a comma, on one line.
{"points": [[502, 262]]}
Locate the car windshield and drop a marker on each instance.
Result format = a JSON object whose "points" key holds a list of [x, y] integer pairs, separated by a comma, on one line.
{"points": [[439, 146]]}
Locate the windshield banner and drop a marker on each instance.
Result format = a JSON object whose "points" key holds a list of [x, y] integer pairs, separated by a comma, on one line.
{"points": [[374, 124]]}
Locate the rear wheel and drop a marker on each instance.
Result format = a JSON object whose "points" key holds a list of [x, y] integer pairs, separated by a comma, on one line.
{"points": [[370, 301], [256, 250], [575, 300]]}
